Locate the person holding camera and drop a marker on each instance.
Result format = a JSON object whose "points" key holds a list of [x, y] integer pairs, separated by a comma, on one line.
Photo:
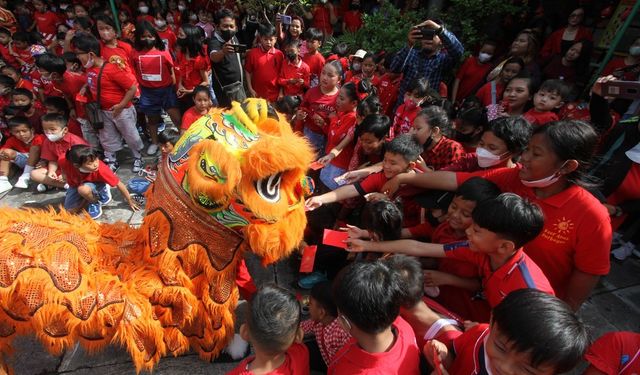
{"points": [[431, 60]]}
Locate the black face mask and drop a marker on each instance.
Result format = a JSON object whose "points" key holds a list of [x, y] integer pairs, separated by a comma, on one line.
{"points": [[463, 137], [226, 35], [291, 56], [354, 7], [20, 108]]}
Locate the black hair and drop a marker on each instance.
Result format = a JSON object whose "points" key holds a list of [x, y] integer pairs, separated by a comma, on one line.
{"points": [[193, 41], [105, 19], [472, 112], [141, 27], [59, 103], [314, 34], [366, 293], [515, 60], [274, 318], [405, 145], [7, 81], [55, 117], [199, 88], [365, 87], [295, 43], [5, 31], [169, 135], [410, 279], [341, 49], [531, 82], [582, 62], [222, 13], [86, 43], [23, 92], [71, 57], [514, 131], [266, 30], [321, 293], [542, 325], [436, 117], [17, 121], [22, 36], [419, 87], [351, 90], [556, 86], [388, 60], [84, 22], [80, 154], [489, 42], [336, 65], [288, 104], [572, 139], [370, 105], [376, 124], [383, 218], [510, 217], [477, 189], [51, 63]]}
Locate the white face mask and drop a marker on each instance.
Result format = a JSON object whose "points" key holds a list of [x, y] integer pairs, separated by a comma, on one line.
{"points": [[488, 159], [484, 57], [356, 67], [160, 23], [89, 63], [143, 9], [181, 7], [84, 170], [544, 182], [634, 154], [54, 137], [634, 51]]}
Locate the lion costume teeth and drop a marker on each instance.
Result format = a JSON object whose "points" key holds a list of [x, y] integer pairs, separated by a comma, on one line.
{"points": [[234, 183]]}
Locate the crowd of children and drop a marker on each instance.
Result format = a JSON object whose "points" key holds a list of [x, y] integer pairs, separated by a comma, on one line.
{"points": [[485, 172]]}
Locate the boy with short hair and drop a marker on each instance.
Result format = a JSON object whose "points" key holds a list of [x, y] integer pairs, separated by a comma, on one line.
{"points": [[273, 328], [24, 101], [531, 332], [57, 104], [367, 296], [262, 65], [5, 41], [313, 58], [295, 74], [89, 180], [550, 97], [6, 87], [58, 141], [21, 149]]}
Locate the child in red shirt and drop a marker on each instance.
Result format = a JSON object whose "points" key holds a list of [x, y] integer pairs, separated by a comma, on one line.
{"points": [[20, 50], [153, 66], [319, 105], [367, 70], [472, 72], [295, 73], [21, 83], [165, 33], [192, 64], [21, 149], [273, 309], [58, 142], [551, 95], [202, 104], [388, 86], [313, 57], [110, 45], [23, 101], [491, 92], [340, 134], [352, 18], [614, 353], [407, 111], [56, 104], [531, 332], [5, 44], [439, 151], [44, 21], [88, 177], [262, 65]]}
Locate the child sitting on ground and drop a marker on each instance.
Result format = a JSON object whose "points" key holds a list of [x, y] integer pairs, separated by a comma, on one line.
{"points": [[551, 95], [89, 179], [531, 332], [614, 353], [329, 336], [367, 296], [273, 329], [202, 103], [24, 101], [21, 149]]}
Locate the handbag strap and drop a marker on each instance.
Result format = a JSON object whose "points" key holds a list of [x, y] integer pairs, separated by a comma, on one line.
{"points": [[98, 85]]}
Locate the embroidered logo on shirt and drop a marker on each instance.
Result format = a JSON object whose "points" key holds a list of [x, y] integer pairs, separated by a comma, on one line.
{"points": [[559, 231]]}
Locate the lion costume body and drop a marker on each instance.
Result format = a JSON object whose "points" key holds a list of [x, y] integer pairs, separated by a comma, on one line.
{"points": [[234, 182]]}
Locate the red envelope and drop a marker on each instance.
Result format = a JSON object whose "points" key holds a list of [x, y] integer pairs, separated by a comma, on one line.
{"points": [[335, 238], [316, 165], [308, 258]]}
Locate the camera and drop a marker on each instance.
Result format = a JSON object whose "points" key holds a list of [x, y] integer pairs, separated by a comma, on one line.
{"points": [[426, 33], [622, 89]]}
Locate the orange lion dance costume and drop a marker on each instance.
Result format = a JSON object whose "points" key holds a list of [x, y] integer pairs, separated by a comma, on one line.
{"points": [[235, 182]]}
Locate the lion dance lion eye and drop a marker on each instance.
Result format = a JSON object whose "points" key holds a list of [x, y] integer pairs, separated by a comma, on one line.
{"points": [[269, 187]]}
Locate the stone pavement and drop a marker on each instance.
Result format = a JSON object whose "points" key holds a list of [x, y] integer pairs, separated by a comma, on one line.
{"points": [[615, 304]]}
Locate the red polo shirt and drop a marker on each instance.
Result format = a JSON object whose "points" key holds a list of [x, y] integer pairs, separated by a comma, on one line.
{"points": [[53, 151], [264, 68], [296, 362], [403, 358], [576, 232], [15, 144], [316, 63], [616, 353], [289, 71], [76, 178], [536, 118], [469, 350], [341, 125], [122, 49]]}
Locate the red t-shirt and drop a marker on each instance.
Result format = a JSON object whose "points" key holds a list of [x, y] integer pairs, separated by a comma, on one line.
{"points": [[341, 125], [403, 120], [316, 63], [26, 56], [153, 68], [616, 353], [470, 74], [17, 145], [315, 102], [264, 68], [403, 358], [76, 178], [70, 86], [470, 352], [322, 19], [296, 362], [53, 151], [536, 118], [189, 69], [484, 93], [9, 58], [352, 20], [113, 85], [388, 92], [576, 232], [628, 190], [189, 117], [46, 23], [169, 39], [290, 70], [618, 63], [122, 49]]}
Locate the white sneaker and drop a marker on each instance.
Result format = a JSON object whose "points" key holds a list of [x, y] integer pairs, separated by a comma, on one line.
{"points": [[5, 185], [624, 251], [41, 188], [138, 164], [153, 148], [23, 181]]}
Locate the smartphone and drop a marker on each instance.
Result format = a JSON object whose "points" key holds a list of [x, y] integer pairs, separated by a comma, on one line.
{"points": [[622, 89], [284, 19], [239, 48], [426, 33]]}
